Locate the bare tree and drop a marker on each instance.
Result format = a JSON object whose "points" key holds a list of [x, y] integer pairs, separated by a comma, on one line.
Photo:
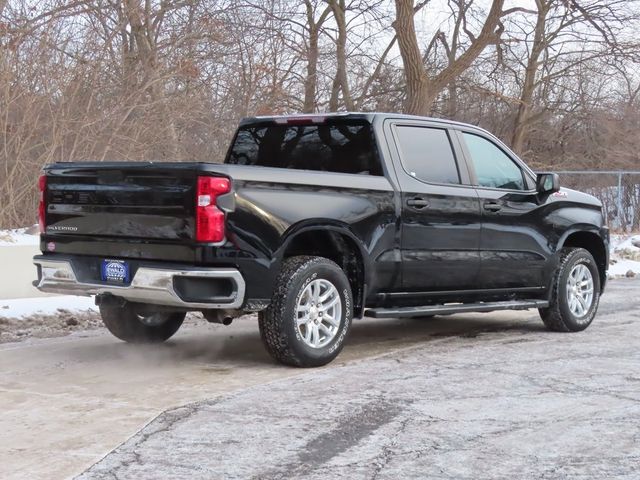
{"points": [[423, 86], [314, 27], [340, 82], [168, 80], [565, 34]]}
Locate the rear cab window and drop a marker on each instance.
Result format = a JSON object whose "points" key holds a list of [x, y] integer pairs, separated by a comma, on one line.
{"points": [[426, 154], [346, 146]]}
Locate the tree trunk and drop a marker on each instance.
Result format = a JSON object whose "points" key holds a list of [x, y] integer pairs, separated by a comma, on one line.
{"points": [[418, 101], [3, 4], [452, 104], [341, 81], [528, 88], [143, 33], [311, 81], [452, 53], [422, 88]]}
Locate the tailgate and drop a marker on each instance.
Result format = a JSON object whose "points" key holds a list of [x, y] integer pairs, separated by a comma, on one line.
{"points": [[147, 201]]}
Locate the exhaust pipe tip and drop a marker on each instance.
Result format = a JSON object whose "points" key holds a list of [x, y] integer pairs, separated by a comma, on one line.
{"points": [[219, 316]]}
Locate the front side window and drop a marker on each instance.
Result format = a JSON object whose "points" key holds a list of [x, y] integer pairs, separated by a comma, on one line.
{"points": [[427, 155], [493, 167], [346, 147]]}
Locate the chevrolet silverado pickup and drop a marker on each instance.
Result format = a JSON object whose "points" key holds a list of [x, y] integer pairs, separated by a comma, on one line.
{"points": [[315, 220]]}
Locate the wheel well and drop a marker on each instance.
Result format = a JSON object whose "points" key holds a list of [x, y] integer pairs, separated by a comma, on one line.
{"points": [[594, 244], [337, 247]]}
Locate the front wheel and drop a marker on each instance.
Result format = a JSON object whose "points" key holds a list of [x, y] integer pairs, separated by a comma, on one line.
{"points": [[575, 292], [125, 323], [310, 314]]}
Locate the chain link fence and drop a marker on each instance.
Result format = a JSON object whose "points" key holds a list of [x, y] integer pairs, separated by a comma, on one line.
{"points": [[619, 192]]}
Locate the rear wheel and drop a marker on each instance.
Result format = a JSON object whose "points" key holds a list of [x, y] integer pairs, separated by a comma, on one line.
{"points": [[310, 313], [125, 323], [575, 292]]}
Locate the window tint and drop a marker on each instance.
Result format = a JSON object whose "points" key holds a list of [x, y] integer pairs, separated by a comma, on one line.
{"points": [[493, 167], [346, 147], [427, 154]]}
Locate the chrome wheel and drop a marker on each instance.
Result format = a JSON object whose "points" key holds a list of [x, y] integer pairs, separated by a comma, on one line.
{"points": [[580, 290], [318, 313]]}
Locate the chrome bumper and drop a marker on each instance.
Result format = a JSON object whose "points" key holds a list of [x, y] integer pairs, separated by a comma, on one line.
{"points": [[149, 285]]}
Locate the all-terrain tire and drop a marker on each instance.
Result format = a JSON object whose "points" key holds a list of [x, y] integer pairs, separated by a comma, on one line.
{"points": [[278, 323], [558, 317], [124, 323]]}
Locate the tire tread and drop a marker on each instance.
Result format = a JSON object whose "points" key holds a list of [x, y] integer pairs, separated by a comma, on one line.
{"points": [[552, 316], [271, 320]]}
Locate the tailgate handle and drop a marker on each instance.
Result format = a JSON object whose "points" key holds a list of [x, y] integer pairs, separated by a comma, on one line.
{"points": [[418, 203]]}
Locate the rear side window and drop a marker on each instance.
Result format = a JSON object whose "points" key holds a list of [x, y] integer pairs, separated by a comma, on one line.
{"points": [[427, 154], [493, 167], [346, 147]]}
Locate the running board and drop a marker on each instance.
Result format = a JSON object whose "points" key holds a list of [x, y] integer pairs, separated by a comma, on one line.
{"points": [[451, 308]]}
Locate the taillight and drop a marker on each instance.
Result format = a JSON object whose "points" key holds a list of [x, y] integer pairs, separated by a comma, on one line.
{"points": [[42, 205], [209, 218]]}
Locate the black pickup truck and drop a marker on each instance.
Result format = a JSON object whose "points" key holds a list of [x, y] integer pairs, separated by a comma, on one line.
{"points": [[313, 220]]}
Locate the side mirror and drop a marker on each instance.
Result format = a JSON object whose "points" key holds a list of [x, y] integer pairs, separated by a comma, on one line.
{"points": [[548, 183]]}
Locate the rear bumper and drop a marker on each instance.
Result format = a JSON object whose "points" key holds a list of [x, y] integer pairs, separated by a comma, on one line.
{"points": [[150, 284]]}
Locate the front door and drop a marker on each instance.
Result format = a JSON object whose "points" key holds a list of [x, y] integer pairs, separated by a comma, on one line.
{"points": [[513, 248], [440, 221]]}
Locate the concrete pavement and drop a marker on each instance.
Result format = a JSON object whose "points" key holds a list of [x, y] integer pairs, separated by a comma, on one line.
{"points": [[507, 400], [473, 396]]}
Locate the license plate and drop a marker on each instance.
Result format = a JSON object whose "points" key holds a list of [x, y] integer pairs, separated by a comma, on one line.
{"points": [[114, 271]]}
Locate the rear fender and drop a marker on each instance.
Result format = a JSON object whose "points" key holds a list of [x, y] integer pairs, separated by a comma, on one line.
{"points": [[323, 226]]}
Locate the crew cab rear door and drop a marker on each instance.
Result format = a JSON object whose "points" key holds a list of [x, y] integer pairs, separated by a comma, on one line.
{"points": [[513, 244], [440, 219]]}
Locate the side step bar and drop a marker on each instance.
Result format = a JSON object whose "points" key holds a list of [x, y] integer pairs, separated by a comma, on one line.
{"points": [[451, 308]]}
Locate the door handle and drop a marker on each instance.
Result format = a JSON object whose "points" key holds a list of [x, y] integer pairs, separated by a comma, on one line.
{"points": [[492, 206], [418, 203]]}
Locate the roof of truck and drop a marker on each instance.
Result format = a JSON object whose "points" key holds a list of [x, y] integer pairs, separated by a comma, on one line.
{"points": [[323, 117]]}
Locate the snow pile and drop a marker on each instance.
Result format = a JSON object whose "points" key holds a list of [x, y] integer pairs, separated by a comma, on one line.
{"points": [[20, 236], [45, 317], [23, 307], [625, 255]]}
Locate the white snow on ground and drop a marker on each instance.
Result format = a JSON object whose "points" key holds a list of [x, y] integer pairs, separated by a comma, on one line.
{"points": [[22, 307], [19, 236], [621, 267], [625, 242], [625, 255]]}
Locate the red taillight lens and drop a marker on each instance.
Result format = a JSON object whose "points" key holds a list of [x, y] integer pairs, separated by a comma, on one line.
{"points": [[42, 205], [209, 218]]}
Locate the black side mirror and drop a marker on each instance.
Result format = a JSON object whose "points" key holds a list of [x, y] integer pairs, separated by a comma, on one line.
{"points": [[548, 183]]}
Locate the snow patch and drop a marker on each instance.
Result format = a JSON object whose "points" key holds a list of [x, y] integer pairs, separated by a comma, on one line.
{"points": [[22, 307], [20, 236], [625, 255], [621, 267]]}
